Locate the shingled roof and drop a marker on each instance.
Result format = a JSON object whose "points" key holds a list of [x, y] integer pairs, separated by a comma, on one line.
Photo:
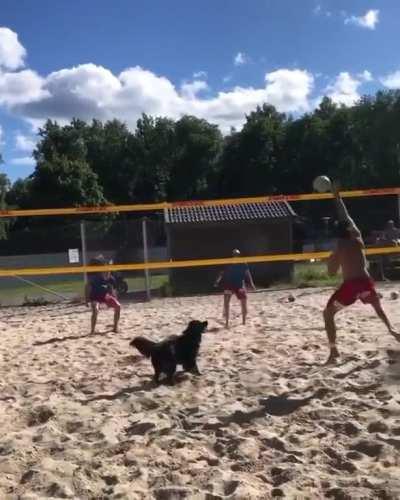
{"points": [[228, 213]]}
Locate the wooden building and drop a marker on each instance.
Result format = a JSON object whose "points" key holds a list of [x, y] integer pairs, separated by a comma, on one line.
{"points": [[201, 232]]}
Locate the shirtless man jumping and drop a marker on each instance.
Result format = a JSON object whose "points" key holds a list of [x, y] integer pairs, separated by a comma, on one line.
{"points": [[357, 283]]}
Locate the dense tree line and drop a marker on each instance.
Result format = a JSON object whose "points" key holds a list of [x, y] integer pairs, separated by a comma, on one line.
{"points": [[97, 163]]}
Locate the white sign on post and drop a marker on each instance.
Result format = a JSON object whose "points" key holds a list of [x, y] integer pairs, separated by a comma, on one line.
{"points": [[73, 255]]}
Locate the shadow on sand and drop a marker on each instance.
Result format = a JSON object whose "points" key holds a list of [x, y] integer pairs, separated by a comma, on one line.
{"points": [[56, 340], [146, 385]]}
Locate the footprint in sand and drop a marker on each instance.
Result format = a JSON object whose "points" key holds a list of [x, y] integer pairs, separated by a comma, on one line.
{"points": [[383, 396], [73, 426], [369, 448], [39, 415], [93, 436]]}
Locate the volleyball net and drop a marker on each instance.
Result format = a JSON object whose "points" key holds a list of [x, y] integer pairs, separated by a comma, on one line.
{"points": [[178, 248]]}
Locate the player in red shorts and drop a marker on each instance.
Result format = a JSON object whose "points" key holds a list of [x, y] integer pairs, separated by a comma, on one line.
{"points": [[234, 279], [101, 290], [357, 283]]}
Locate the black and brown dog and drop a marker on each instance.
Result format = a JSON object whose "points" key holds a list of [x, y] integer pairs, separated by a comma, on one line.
{"points": [[174, 350]]}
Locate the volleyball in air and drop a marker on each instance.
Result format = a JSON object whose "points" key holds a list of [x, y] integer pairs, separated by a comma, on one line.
{"points": [[322, 184]]}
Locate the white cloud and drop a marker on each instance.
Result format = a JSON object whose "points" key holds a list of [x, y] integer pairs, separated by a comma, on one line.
{"points": [[24, 161], [200, 74], [344, 90], [286, 89], [289, 89], [366, 76], [392, 80], [190, 90], [21, 87], [369, 20], [89, 91], [318, 10], [240, 59], [24, 142], [12, 53], [227, 78]]}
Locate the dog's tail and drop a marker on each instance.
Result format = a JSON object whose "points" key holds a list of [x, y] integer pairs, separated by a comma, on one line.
{"points": [[145, 346]]}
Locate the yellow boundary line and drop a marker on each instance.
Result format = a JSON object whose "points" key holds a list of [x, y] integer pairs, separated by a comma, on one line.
{"points": [[296, 257], [143, 207]]}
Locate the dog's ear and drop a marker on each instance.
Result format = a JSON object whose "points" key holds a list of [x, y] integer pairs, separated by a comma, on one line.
{"points": [[191, 326]]}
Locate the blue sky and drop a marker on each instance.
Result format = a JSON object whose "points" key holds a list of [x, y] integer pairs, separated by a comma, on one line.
{"points": [[216, 59]]}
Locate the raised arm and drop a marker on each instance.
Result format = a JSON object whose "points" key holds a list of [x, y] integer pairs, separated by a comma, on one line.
{"points": [[342, 212], [341, 209]]}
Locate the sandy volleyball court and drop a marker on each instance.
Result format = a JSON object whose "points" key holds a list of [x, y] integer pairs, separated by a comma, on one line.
{"points": [[80, 418]]}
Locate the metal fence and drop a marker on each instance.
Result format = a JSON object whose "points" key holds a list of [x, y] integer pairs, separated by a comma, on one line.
{"points": [[50, 244]]}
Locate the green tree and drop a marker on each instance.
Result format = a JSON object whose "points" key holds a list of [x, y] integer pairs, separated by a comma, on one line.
{"points": [[63, 182], [57, 141], [250, 161], [109, 154], [105, 148], [376, 129], [19, 194], [82, 163], [195, 166], [153, 150]]}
